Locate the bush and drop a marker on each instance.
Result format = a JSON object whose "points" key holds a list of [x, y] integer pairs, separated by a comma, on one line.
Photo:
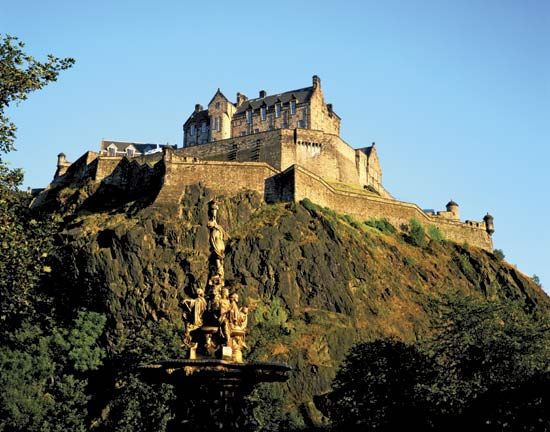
{"points": [[417, 235], [308, 205], [382, 225], [499, 255], [435, 233]]}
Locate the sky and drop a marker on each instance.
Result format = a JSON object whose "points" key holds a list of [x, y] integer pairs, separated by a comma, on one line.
{"points": [[456, 94]]}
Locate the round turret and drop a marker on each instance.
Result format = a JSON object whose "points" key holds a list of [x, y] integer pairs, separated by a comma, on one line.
{"points": [[452, 207], [489, 223]]}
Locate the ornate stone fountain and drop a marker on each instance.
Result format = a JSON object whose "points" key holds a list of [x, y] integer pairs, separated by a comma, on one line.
{"points": [[210, 385]]}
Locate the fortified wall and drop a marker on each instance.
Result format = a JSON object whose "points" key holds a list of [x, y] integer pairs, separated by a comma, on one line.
{"points": [[171, 171], [324, 154], [284, 146]]}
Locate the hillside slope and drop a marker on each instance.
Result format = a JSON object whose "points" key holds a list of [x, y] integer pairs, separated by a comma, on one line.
{"points": [[316, 282]]}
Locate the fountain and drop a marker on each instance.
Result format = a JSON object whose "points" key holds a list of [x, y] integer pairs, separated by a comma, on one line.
{"points": [[211, 383]]}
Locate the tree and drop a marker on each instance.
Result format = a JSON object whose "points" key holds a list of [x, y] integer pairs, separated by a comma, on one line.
{"points": [[383, 386], [486, 367], [25, 239]]}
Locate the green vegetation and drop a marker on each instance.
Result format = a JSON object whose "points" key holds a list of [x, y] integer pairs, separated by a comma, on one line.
{"points": [[499, 254], [382, 225], [435, 234], [485, 368], [417, 235]]}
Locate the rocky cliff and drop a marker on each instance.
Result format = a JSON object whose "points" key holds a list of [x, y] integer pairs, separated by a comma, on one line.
{"points": [[316, 282]]}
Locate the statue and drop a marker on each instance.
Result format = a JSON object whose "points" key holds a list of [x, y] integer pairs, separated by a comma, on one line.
{"points": [[217, 237], [215, 324]]}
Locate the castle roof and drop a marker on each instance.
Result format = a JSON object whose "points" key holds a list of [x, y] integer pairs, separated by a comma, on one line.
{"points": [[198, 116], [300, 95], [143, 148], [451, 203]]}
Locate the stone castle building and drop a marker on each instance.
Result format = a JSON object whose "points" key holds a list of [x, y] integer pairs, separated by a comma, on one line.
{"points": [[285, 146]]}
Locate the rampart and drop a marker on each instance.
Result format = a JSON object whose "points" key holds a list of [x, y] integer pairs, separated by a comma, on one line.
{"points": [[365, 206], [221, 177], [166, 175]]}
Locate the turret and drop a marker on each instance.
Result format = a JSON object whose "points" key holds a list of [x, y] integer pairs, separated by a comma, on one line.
{"points": [[489, 223], [452, 207], [62, 165]]}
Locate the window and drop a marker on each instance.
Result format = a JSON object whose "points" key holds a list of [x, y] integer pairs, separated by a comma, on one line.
{"points": [[285, 119], [256, 130], [263, 113], [217, 105], [130, 152], [302, 124], [292, 107], [192, 129], [249, 116], [111, 151], [217, 124], [278, 108], [270, 121], [203, 127]]}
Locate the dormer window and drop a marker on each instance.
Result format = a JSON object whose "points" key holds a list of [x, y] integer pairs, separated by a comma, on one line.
{"points": [[111, 151], [249, 116], [130, 152], [293, 107], [263, 113], [278, 109]]}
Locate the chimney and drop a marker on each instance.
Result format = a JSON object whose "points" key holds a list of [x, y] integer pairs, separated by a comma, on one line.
{"points": [[262, 93], [329, 107], [241, 99], [316, 82], [198, 107], [61, 159]]}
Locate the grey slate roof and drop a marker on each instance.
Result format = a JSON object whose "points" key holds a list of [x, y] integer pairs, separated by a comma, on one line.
{"points": [[302, 95], [198, 117]]}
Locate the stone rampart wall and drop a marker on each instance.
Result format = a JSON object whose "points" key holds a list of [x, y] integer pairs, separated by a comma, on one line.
{"points": [[222, 177], [363, 206]]}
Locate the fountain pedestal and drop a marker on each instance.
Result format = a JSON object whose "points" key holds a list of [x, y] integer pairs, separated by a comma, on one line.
{"points": [[210, 392]]}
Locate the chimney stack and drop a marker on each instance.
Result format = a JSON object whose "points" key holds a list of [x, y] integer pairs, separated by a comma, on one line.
{"points": [[262, 93], [241, 99], [198, 107], [316, 82]]}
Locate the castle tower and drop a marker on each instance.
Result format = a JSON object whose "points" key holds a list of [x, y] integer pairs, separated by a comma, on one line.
{"points": [[489, 223], [452, 207]]}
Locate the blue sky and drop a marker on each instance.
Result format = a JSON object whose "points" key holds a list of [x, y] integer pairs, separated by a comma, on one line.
{"points": [[456, 94]]}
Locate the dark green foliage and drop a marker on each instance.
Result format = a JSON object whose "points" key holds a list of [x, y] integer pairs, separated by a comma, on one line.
{"points": [[485, 368], [417, 235], [382, 225], [43, 376], [499, 254], [21, 74], [382, 386]]}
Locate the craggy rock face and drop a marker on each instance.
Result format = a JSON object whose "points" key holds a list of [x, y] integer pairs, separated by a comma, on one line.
{"points": [[315, 282]]}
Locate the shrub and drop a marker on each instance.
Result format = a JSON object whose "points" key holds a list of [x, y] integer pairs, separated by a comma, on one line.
{"points": [[382, 225], [308, 205], [499, 255], [417, 235], [435, 233]]}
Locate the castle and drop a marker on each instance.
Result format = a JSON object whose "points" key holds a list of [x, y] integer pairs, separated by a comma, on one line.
{"points": [[286, 146]]}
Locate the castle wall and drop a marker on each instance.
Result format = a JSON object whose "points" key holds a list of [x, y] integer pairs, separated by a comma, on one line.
{"points": [[321, 116], [260, 147], [222, 177], [362, 206]]}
